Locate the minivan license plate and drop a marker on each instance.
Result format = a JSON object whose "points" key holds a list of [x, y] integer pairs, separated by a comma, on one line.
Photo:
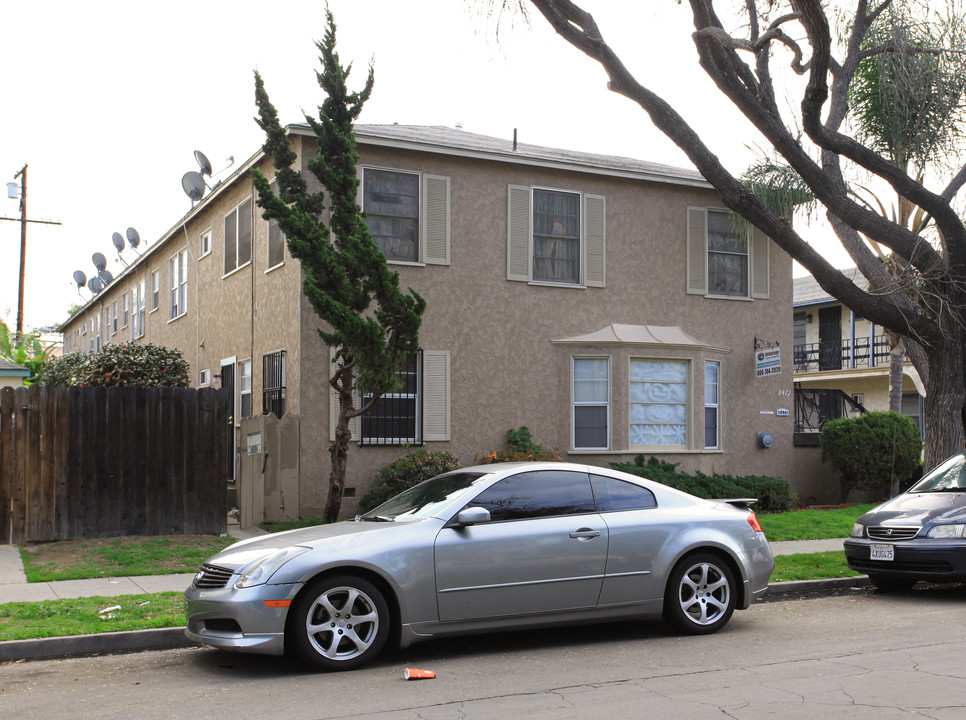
{"points": [[883, 552]]}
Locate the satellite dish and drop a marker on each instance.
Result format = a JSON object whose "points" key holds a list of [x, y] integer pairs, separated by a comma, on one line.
{"points": [[95, 285], [118, 242], [105, 277], [100, 262], [80, 278], [133, 239], [194, 185], [203, 163]]}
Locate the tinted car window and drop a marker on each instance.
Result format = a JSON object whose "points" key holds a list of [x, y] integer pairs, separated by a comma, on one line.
{"points": [[615, 495], [422, 500], [540, 493]]}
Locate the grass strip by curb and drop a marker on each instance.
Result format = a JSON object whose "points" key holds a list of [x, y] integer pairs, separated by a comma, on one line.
{"points": [[89, 615], [811, 566]]}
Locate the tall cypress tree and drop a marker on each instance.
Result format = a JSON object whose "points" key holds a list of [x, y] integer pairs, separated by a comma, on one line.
{"points": [[367, 319]]}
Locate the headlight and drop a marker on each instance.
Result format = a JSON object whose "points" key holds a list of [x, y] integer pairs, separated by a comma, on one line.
{"points": [[858, 530], [260, 571], [946, 531]]}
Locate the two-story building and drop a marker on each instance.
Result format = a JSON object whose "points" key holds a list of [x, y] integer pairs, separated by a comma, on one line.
{"points": [[606, 303], [842, 361]]}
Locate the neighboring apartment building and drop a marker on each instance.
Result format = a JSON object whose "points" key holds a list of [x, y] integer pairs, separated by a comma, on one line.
{"points": [[605, 303], [840, 357]]}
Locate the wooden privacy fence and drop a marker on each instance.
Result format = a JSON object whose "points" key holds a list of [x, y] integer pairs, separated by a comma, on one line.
{"points": [[86, 461]]}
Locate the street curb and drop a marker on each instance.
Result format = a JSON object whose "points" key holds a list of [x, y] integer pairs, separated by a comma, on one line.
{"points": [[95, 644], [168, 638], [797, 586]]}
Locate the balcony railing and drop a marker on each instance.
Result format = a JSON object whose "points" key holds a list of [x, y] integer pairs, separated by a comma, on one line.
{"points": [[842, 355], [815, 407]]}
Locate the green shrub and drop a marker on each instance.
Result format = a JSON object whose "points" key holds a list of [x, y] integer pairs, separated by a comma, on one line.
{"points": [[406, 472], [872, 451], [119, 366], [773, 493], [520, 448]]}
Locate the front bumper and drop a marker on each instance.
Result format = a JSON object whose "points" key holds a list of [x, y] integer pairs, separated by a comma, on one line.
{"points": [[238, 619], [921, 558]]}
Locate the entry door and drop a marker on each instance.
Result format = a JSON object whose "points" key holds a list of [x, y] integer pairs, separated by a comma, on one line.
{"points": [[830, 338], [544, 551]]}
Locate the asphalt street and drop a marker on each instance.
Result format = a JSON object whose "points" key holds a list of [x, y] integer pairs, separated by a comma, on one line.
{"points": [[857, 655]]}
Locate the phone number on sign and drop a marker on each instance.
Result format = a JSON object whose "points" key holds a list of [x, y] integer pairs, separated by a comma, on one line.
{"points": [[769, 371]]}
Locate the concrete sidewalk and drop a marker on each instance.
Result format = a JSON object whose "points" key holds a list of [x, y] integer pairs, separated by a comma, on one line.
{"points": [[15, 588]]}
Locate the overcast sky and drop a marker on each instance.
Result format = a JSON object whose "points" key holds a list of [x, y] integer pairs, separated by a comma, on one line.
{"points": [[106, 101]]}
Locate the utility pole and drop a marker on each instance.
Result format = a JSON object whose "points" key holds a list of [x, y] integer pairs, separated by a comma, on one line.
{"points": [[23, 245], [11, 189]]}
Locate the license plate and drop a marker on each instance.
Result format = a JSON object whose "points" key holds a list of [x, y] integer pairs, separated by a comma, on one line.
{"points": [[882, 552]]}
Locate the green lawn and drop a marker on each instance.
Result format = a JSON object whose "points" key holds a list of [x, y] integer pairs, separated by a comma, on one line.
{"points": [[119, 556], [811, 524]]}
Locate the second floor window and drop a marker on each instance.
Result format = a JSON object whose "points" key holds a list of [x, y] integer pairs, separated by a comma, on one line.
{"points": [[178, 267], [727, 256], [391, 202], [238, 237], [556, 237]]}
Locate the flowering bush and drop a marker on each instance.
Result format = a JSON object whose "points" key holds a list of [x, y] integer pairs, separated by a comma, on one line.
{"points": [[520, 448], [119, 366]]}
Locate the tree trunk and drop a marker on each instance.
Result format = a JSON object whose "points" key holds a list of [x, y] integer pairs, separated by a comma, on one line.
{"points": [[339, 448], [945, 399]]}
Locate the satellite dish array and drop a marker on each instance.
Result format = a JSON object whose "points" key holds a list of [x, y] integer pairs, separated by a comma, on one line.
{"points": [[193, 183], [194, 186], [103, 276]]}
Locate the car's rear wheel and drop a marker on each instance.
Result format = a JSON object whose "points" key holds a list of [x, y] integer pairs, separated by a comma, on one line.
{"points": [[700, 595], [339, 622], [891, 583]]}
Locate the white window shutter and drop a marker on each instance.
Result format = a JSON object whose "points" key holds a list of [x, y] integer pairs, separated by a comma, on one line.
{"points": [[518, 253], [759, 251], [594, 240], [697, 259], [436, 426], [334, 406], [435, 227]]}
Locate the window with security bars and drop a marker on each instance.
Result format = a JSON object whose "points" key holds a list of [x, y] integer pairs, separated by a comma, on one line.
{"points": [[273, 383], [395, 418]]}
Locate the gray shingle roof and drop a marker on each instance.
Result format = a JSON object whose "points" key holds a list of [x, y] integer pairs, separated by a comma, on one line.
{"points": [[454, 141], [807, 291]]}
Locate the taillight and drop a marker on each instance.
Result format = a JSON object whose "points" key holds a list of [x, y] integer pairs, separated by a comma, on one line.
{"points": [[753, 521]]}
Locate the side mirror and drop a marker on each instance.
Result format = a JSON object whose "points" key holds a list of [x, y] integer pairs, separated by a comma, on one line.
{"points": [[471, 516]]}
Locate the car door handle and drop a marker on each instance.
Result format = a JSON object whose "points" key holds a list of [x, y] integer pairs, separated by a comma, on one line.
{"points": [[585, 534]]}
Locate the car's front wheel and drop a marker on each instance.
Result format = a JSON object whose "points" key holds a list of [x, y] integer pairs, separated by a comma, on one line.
{"points": [[891, 583], [700, 596], [339, 622]]}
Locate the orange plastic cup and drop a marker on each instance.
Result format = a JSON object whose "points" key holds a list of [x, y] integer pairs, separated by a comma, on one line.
{"points": [[416, 674]]}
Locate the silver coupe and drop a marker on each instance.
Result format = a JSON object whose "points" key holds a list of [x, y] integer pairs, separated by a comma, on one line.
{"points": [[493, 547]]}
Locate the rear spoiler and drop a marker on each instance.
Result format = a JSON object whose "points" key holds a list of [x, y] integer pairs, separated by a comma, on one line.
{"points": [[744, 503]]}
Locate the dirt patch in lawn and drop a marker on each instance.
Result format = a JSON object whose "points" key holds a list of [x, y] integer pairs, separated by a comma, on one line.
{"points": [[119, 556]]}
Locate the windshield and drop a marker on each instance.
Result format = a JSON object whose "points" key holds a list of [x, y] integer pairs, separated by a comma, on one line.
{"points": [[423, 500], [948, 477]]}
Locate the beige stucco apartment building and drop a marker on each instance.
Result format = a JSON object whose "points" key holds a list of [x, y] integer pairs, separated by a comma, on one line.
{"points": [[605, 303]]}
